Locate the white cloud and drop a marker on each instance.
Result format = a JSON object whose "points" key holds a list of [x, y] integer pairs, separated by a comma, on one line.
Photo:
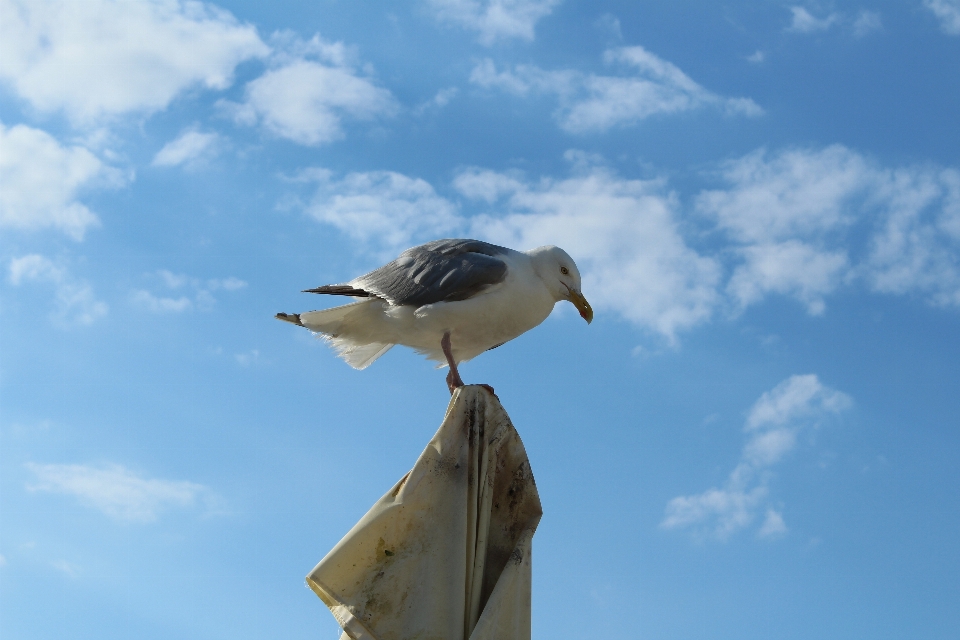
{"points": [[867, 22], [188, 147], [769, 447], [796, 217], [757, 57], [174, 280], [773, 425], [727, 510], [796, 399], [864, 24], [804, 22], [441, 99], [948, 12], [609, 24], [117, 491], [248, 358], [198, 296], [385, 209], [106, 57], [444, 96], [42, 179], [34, 267], [306, 100], [290, 47], [773, 525], [494, 19], [787, 268], [917, 247], [75, 301], [158, 304], [488, 186], [949, 220], [590, 102], [70, 569], [520, 81], [794, 193], [228, 284]]}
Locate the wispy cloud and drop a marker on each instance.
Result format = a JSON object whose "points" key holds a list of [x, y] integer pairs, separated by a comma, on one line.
{"points": [[867, 22], [798, 400], [494, 20], [70, 569], [805, 22], [773, 525], [248, 358], [772, 206], [309, 91], [917, 245], [799, 403], [182, 292], [948, 13], [117, 491], [75, 302], [795, 219], [441, 99], [54, 52], [42, 181], [610, 25], [383, 208], [187, 148], [160, 304], [647, 86]]}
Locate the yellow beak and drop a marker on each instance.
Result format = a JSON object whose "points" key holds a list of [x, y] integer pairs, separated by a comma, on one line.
{"points": [[586, 311]]}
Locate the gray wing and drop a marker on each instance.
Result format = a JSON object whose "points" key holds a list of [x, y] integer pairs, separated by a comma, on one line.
{"points": [[439, 271]]}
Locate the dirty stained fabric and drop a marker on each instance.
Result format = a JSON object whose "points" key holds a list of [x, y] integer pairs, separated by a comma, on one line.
{"points": [[446, 553]]}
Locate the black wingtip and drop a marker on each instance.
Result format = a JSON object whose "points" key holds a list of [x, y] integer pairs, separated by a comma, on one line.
{"points": [[292, 318], [339, 290]]}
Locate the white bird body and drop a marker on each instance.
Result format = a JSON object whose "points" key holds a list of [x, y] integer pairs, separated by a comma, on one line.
{"points": [[493, 295]]}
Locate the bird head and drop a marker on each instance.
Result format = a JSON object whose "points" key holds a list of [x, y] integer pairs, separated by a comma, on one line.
{"points": [[558, 270]]}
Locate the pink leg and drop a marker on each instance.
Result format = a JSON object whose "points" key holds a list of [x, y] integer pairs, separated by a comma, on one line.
{"points": [[453, 377]]}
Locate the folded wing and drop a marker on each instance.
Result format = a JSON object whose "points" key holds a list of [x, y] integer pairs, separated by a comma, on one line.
{"points": [[439, 271]]}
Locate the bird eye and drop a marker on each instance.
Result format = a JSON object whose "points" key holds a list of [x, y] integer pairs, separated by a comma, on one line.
{"points": [[565, 271]]}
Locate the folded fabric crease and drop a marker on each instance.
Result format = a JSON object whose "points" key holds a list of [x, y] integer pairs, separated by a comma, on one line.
{"points": [[446, 553]]}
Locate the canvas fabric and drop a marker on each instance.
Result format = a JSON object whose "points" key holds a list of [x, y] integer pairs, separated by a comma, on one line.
{"points": [[446, 553]]}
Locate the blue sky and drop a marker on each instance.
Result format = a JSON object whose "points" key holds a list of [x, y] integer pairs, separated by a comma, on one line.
{"points": [[757, 437]]}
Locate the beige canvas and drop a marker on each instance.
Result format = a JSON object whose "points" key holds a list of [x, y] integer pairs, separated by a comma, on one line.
{"points": [[446, 553]]}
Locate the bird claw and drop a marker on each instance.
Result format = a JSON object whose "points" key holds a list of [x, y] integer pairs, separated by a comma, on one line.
{"points": [[453, 381], [452, 386]]}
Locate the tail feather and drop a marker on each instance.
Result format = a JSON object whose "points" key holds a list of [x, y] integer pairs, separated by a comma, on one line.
{"points": [[358, 351], [330, 321], [358, 356]]}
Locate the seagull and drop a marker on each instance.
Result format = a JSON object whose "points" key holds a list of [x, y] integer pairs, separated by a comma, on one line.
{"points": [[450, 300]]}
